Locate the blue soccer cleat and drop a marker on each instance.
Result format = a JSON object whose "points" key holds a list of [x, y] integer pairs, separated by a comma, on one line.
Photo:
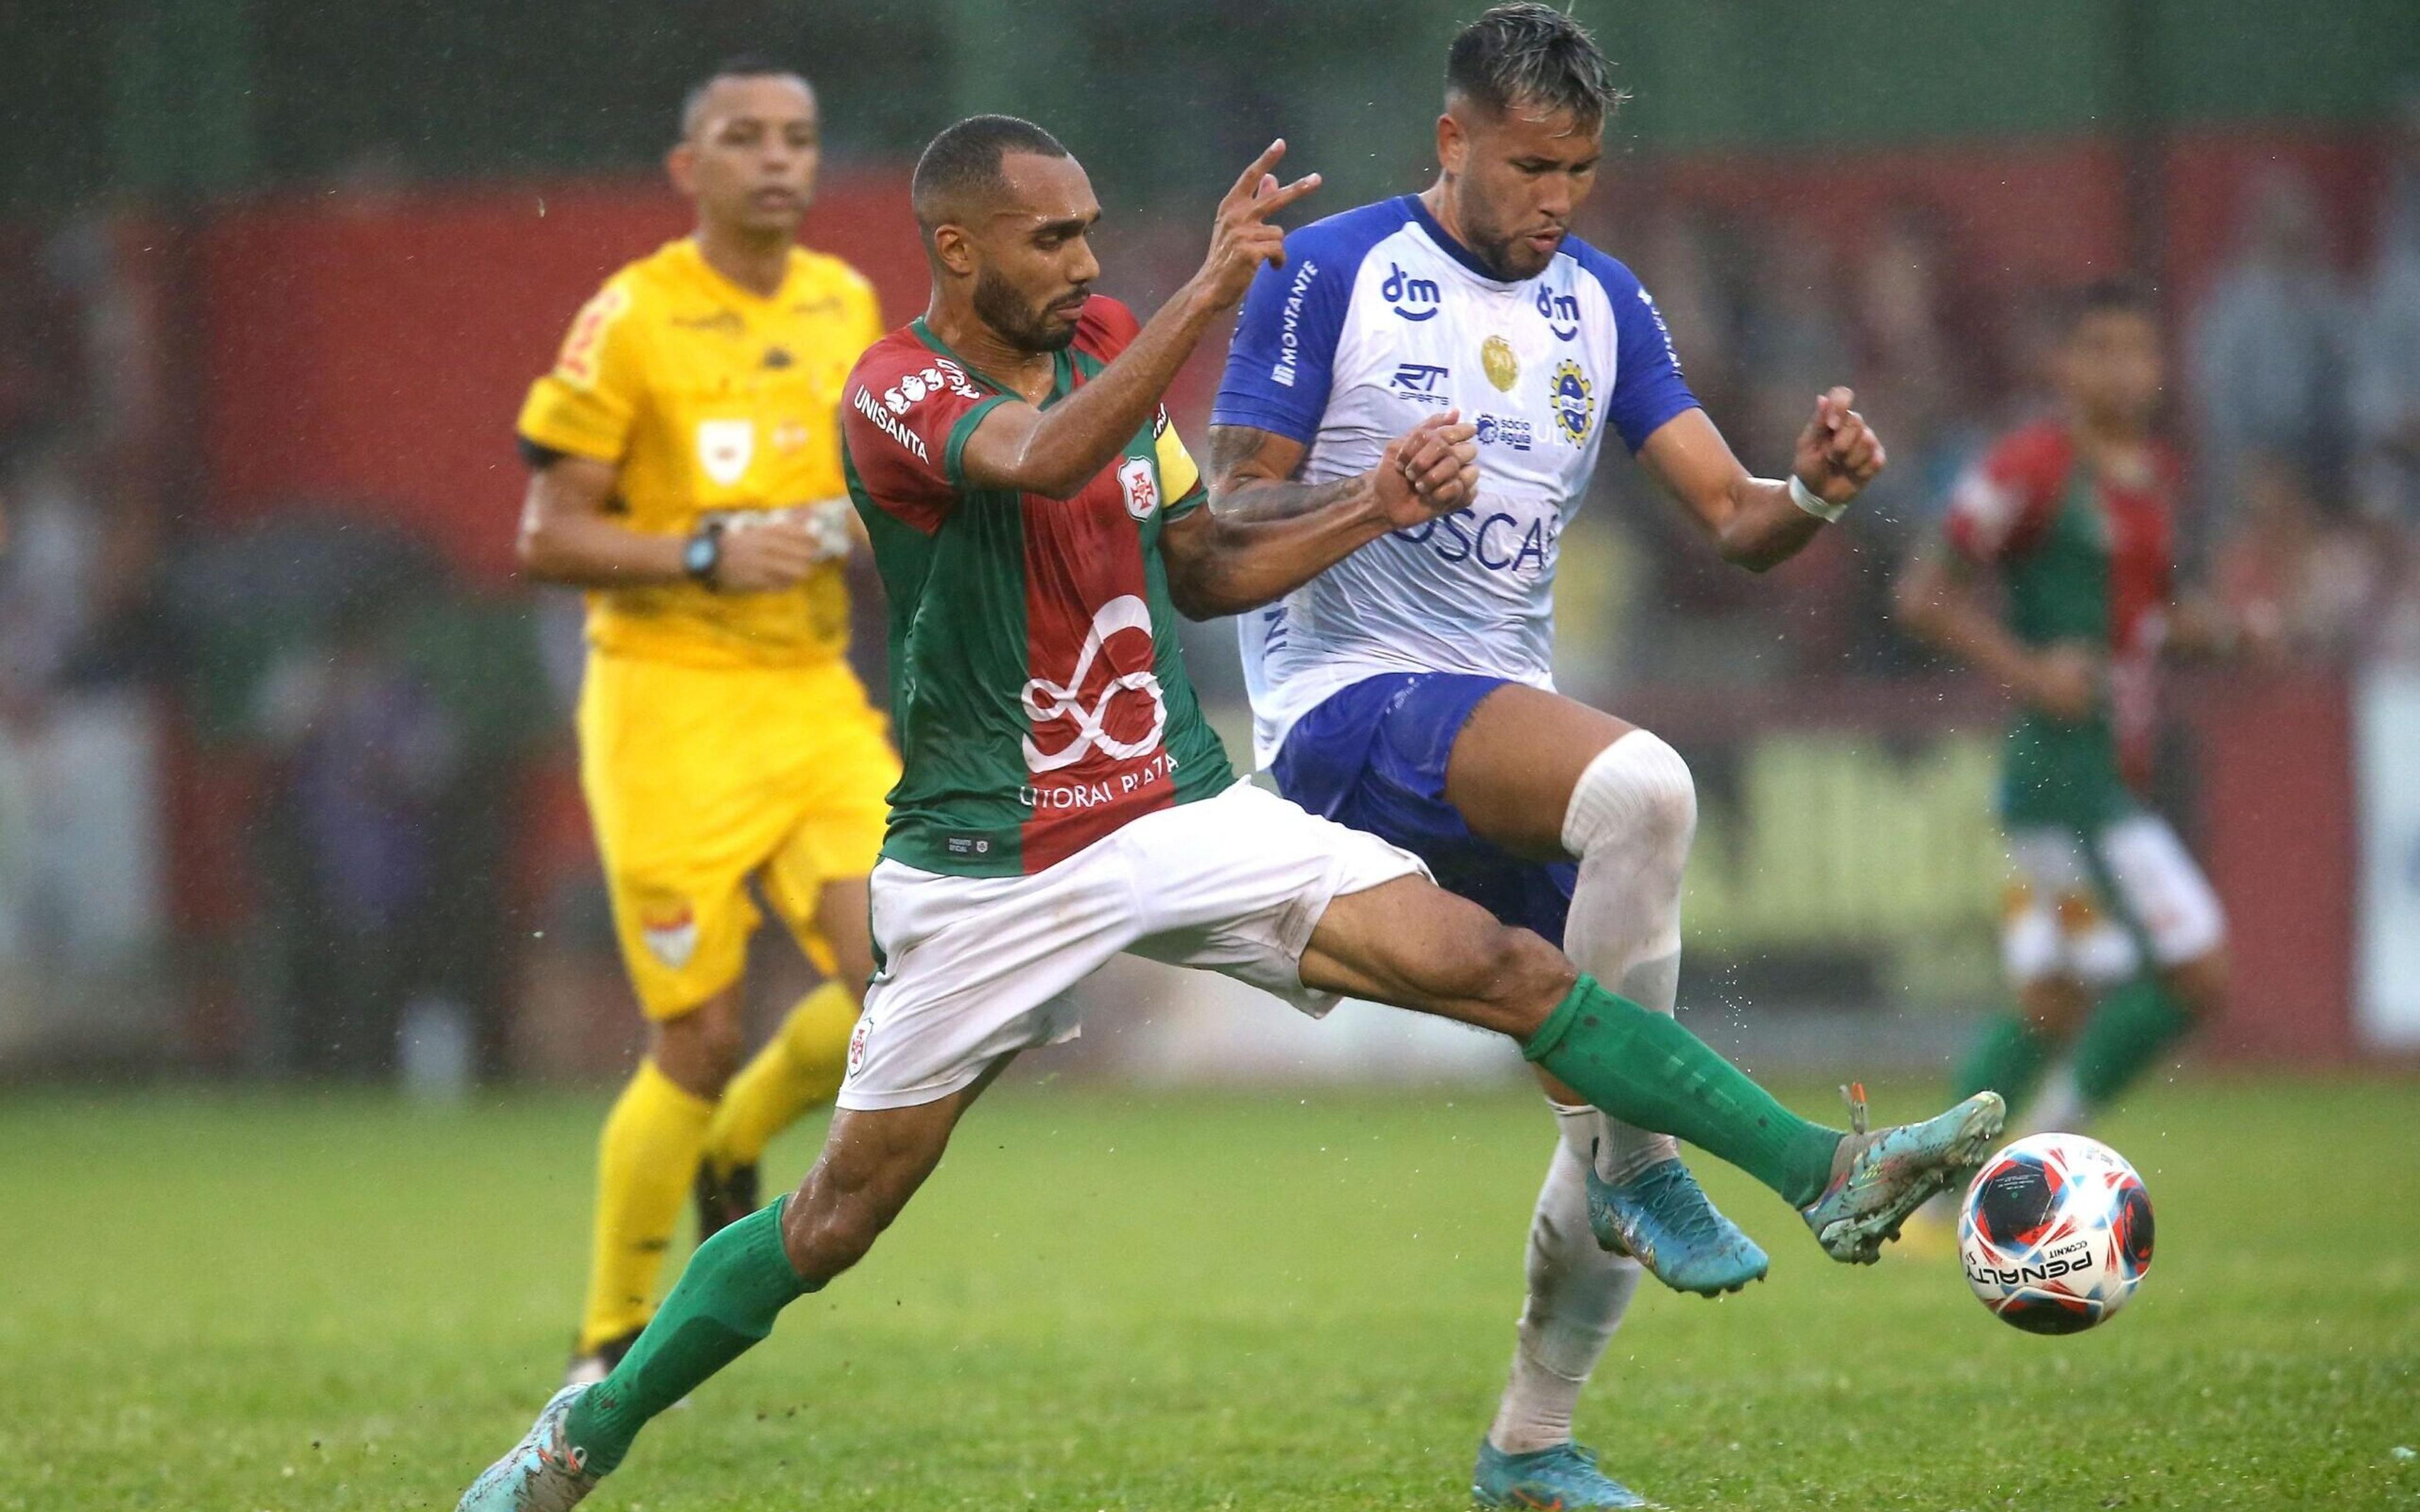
{"points": [[1661, 1218], [1561, 1479], [542, 1473], [1879, 1179]]}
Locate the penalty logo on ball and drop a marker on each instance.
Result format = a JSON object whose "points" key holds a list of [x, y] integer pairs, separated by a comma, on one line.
{"points": [[2055, 1233]]}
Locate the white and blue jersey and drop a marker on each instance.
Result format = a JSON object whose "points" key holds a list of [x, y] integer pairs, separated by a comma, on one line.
{"points": [[1377, 319]]}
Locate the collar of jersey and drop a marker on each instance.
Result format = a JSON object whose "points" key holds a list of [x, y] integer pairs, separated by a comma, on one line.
{"points": [[1455, 249], [1063, 365], [715, 279]]}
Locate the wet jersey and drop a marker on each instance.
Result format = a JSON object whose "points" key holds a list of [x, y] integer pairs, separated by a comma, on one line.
{"points": [[1036, 681], [2083, 558], [1378, 319], [715, 404]]}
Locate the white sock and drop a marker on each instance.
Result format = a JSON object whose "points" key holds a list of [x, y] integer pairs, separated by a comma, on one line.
{"points": [[1577, 1294], [1633, 813]]}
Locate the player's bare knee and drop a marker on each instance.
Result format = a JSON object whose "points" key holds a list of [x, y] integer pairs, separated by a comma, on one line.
{"points": [[1637, 793], [702, 1049], [1521, 978]]}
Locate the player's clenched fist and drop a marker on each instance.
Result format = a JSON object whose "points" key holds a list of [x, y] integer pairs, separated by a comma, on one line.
{"points": [[1242, 238], [1430, 470], [1838, 454]]}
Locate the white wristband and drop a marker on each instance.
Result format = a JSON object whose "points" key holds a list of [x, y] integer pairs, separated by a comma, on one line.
{"points": [[1804, 497]]}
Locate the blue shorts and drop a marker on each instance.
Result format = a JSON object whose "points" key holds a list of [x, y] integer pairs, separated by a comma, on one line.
{"points": [[1374, 757]]}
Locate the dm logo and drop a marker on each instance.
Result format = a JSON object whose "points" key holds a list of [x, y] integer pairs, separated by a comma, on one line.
{"points": [[1575, 401], [1561, 312], [1414, 298]]}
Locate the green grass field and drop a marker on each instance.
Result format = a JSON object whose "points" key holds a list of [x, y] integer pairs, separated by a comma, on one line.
{"points": [[1106, 1300]]}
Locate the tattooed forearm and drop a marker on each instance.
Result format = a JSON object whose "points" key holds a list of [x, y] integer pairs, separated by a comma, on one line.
{"points": [[1245, 486]]}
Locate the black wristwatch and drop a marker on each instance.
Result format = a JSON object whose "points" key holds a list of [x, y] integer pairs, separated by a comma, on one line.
{"points": [[703, 556]]}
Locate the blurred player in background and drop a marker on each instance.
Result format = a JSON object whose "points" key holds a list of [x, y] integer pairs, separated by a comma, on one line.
{"points": [[688, 473], [1040, 528], [1409, 691], [2112, 938]]}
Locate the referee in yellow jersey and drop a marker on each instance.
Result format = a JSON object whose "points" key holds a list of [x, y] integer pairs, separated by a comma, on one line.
{"points": [[686, 472]]}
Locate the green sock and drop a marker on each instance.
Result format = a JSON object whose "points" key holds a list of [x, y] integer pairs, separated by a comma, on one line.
{"points": [[2130, 1032], [725, 1301], [2008, 1060], [1646, 1069]]}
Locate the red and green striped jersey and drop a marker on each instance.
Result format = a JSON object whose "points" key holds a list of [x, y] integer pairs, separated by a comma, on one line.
{"points": [[2083, 557], [1038, 685]]}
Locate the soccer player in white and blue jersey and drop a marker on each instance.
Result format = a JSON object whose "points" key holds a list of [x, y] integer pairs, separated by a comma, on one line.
{"points": [[1409, 689]]}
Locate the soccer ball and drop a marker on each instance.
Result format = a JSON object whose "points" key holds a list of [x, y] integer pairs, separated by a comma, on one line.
{"points": [[2055, 1233]]}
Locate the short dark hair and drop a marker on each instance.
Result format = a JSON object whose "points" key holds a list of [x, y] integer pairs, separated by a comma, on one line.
{"points": [[745, 65], [2110, 296], [962, 164], [1526, 54]]}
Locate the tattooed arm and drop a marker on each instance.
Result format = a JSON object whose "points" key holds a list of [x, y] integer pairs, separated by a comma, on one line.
{"points": [[1263, 535]]}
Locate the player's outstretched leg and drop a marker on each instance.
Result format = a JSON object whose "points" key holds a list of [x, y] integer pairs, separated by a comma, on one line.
{"points": [[1410, 943], [1632, 816], [725, 1301], [1536, 774]]}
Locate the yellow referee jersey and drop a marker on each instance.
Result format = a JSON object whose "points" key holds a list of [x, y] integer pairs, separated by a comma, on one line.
{"points": [[713, 401]]}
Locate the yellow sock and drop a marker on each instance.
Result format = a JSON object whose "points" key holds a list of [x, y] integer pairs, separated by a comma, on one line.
{"points": [[646, 1159], [800, 1067]]}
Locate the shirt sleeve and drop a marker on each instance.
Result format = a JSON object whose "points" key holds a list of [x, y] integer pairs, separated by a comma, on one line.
{"points": [[905, 414], [1648, 388], [1283, 359], [2000, 505], [585, 406]]}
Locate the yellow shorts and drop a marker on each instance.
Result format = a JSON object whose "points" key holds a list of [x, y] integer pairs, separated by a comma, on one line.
{"points": [[700, 778]]}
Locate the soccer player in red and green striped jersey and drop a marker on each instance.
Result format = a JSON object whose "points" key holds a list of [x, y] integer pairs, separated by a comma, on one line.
{"points": [[2112, 938], [1038, 529]]}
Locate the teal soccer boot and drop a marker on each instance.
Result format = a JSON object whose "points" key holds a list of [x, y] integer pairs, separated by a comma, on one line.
{"points": [[542, 1473], [1661, 1218], [1561, 1479], [1879, 1179]]}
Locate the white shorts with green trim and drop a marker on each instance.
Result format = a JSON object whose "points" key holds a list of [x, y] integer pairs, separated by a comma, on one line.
{"points": [[978, 969], [2062, 920]]}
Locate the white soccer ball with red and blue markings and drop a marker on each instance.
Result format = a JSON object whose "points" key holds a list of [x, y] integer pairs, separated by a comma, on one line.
{"points": [[2055, 1233]]}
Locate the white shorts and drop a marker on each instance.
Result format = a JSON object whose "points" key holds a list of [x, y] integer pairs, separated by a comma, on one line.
{"points": [[2063, 922], [976, 968]]}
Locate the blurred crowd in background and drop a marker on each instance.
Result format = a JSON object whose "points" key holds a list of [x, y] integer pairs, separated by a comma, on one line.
{"points": [[344, 730]]}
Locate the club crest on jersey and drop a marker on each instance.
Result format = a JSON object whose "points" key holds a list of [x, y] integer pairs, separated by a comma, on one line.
{"points": [[1496, 359], [724, 448], [669, 927], [1140, 486], [1575, 401]]}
